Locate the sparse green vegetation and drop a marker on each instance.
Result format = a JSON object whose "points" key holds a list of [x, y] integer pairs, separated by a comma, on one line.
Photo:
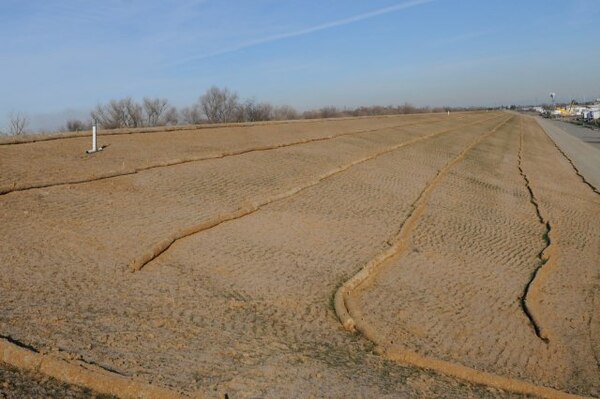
{"points": [[546, 237]]}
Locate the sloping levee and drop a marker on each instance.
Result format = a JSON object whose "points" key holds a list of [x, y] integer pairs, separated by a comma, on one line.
{"points": [[243, 307], [60, 162], [476, 286]]}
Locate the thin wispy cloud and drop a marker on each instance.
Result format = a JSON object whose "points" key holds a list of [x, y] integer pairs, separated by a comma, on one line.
{"points": [[306, 53], [309, 30]]}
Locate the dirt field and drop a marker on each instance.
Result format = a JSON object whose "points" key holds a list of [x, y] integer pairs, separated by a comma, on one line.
{"points": [[206, 262]]}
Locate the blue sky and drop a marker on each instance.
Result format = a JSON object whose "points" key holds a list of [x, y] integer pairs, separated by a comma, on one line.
{"points": [[59, 58]]}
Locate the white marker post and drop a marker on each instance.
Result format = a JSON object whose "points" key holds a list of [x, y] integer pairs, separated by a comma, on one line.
{"points": [[94, 139]]}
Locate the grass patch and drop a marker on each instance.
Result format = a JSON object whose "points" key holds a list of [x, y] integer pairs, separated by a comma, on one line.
{"points": [[546, 237]]}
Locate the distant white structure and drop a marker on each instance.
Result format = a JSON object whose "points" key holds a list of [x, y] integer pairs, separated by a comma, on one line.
{"points": [[588, 112], [592, 113]]}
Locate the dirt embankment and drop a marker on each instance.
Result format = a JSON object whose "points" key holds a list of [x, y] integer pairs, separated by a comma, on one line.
{"points": [[245, 306], [488, 277], [63, 161]]}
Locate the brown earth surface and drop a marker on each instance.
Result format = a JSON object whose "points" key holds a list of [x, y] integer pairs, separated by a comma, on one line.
{"points": [[239, 237], [19, 384], [500, 272]]}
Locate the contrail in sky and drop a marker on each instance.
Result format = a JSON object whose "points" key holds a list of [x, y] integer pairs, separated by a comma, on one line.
{"points": [[312, 29]]}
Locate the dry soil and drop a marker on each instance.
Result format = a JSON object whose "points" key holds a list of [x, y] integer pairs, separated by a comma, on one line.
{"points": [[206, 261]]}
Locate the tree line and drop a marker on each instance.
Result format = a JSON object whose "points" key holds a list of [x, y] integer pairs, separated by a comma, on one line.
{"points": [[216, 105]]}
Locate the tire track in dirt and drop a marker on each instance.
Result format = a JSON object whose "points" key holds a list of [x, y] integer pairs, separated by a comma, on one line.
{"points": [[532, 290], [371, 269], [16, 188], [251, 207]]}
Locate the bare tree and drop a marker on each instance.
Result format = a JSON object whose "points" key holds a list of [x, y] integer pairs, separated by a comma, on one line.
{"points": [[284, 112], [170, 117], [134, 115], [17, 123], [252, 111], [219, 105], [75, 125], [407, 108], [329, 112], [155, 108], [102, 115], [192, 115], [121, 113], [362, 111]]}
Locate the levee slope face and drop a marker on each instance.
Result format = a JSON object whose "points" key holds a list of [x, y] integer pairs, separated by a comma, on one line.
{"points": [[498, 276], [245, 235]]}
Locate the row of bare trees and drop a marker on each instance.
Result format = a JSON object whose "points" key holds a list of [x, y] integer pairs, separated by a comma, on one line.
{"points": [[128, 113], [216, 105], [220, 105]]}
